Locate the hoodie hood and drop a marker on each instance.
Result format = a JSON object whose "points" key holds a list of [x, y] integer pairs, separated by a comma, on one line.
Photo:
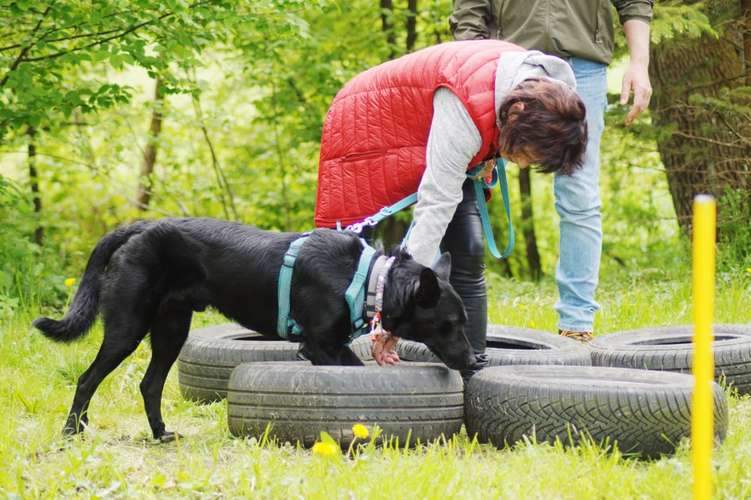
{"points": [[515, 67]]}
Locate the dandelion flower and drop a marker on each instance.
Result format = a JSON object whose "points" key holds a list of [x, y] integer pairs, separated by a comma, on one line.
{"points": [[325, 450], [748, 270], [70, 282], [360, 431]]}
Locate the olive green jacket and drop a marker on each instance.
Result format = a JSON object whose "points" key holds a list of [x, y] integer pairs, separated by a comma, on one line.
{"points": [[565, 28]]}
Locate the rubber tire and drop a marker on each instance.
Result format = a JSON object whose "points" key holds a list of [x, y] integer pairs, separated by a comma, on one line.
{"points": [[732, 351], [646, 412], [210, 354], [411, 402], [362, 346], [513, 346]]}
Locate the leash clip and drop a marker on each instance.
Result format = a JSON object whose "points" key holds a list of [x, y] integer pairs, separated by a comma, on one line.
{"points": [[357, 227]]}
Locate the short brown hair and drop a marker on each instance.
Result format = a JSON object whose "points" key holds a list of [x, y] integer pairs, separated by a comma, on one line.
{"points": [[552, 124]]}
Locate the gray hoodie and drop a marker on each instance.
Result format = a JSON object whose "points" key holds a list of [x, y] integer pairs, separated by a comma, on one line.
{"points": [[454, 140]]}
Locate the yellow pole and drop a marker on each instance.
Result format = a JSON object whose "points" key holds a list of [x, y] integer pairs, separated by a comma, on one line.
{"points": [[702, 431]]}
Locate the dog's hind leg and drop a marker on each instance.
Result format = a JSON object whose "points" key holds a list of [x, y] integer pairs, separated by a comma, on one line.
{"points": [[122, 334], [168, 333]]}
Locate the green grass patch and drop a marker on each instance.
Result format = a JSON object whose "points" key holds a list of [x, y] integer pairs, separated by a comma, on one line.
{"points": [[118, 458]]}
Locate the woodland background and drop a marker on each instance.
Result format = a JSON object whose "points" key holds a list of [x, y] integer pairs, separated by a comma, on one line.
{"points": [[113, 111]]}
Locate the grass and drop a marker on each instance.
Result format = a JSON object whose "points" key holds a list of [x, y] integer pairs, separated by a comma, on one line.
{"points": [[118, 458]]}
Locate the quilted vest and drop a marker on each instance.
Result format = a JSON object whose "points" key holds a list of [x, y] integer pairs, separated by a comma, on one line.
{"points": [[376, 131]]}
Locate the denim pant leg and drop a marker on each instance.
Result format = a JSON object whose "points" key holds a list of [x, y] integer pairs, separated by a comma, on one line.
{"points": [[577, 201], [464, 240]]}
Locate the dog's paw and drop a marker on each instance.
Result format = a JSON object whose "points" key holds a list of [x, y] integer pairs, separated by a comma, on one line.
{"points": [[169, 436], [71, 430]]}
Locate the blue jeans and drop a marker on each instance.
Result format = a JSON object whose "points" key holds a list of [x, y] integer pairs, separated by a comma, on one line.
{"points": [[577, 201]]}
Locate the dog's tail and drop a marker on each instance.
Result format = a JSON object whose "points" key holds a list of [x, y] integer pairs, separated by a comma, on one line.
{"points": [[83, 310]]}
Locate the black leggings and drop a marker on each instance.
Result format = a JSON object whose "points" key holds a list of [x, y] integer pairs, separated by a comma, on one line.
{"points": [[464, 240]]}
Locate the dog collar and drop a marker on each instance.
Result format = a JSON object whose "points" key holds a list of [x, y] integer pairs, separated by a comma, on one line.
{"points": [[376, 285]]}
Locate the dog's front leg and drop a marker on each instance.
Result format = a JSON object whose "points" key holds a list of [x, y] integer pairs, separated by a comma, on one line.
{"points": [[327, 354]]}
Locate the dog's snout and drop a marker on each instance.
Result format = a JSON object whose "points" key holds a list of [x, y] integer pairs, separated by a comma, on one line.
{"points": [[478, 361]]}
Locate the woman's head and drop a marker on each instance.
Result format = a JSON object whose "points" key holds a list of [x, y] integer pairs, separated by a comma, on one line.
{"points": [[543, 122]]}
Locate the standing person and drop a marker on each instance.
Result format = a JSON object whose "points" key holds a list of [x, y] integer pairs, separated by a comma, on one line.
{"points": [[581, 32], [418, 123]]}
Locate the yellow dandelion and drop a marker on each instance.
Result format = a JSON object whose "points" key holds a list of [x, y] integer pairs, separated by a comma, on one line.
{"points": [[360, 431], [748, 270], [70, 282], [325, 450]]}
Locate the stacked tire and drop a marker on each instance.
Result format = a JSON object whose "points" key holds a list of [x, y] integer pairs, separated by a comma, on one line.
{"points": [[538, 386], [646, 413], [669, 348], [294, 402], [513, 346], [210, 354]]}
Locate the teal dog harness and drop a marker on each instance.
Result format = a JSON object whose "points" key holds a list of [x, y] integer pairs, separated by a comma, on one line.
{"points": [[354, 296]]}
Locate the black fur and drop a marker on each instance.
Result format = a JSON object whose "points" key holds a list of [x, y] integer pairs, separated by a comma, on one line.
{"points": [[151, 275]]}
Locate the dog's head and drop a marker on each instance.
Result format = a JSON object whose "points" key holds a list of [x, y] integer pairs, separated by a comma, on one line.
{"points": [[420, 304]]}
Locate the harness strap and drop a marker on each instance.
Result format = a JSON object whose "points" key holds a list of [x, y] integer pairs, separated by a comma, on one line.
{"points": [[284, 324], [355, 294]]}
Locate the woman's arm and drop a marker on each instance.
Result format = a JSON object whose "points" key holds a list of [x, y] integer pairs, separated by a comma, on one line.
{"points": [[453, 141]]}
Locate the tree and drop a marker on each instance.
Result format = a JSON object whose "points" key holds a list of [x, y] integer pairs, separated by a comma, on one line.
{"points": [[145, 181], [702, 101]]}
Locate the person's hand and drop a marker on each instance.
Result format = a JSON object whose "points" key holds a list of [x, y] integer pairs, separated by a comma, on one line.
{"points": [[487, 170], [636, 80], [383, 349]]}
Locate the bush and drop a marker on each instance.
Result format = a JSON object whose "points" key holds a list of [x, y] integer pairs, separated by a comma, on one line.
{"points": [[29, 276]]}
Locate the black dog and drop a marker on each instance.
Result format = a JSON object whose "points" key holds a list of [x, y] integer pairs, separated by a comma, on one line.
{"points": [[151, 275]]}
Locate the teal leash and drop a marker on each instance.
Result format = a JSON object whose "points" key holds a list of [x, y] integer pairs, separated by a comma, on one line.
{"points": [[498, 177]]}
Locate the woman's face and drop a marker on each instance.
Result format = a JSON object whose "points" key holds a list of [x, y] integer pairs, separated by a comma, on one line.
{"points": [[523, 158]]}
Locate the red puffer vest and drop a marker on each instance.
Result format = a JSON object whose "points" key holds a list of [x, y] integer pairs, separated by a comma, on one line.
{"points": [[376, 131]]}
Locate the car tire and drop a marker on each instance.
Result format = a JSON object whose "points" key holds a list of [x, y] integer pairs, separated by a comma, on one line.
{"points": [[645, 412], [411, 402], [508, 345], [670, 349], [210, 354]]}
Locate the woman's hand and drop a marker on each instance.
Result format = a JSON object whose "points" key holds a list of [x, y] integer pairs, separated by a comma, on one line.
{"points": [[384, 348]]}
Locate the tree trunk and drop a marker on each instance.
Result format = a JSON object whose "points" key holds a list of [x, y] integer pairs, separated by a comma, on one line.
{"points": [[746, 11], [704, 145], [387, 10], [411, 24], [34, 181], [145, 179], [528, 225]]}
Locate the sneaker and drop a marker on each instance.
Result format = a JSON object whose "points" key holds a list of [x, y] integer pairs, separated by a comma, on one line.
{"points": [[580, 336]]}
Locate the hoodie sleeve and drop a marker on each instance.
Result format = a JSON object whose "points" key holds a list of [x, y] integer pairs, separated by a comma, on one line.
{"points": [[452, 143], [472, 20], [634, 9]]}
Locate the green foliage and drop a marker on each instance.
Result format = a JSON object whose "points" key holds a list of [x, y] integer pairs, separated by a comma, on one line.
{"points": [[248, 85], [55, 55], [673, 18], [670, 19], [734, 228], [29, 273]]}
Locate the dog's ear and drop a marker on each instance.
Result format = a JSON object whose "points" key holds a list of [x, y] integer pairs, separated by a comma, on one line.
{"points": [[443, 267], [428, 292]]}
